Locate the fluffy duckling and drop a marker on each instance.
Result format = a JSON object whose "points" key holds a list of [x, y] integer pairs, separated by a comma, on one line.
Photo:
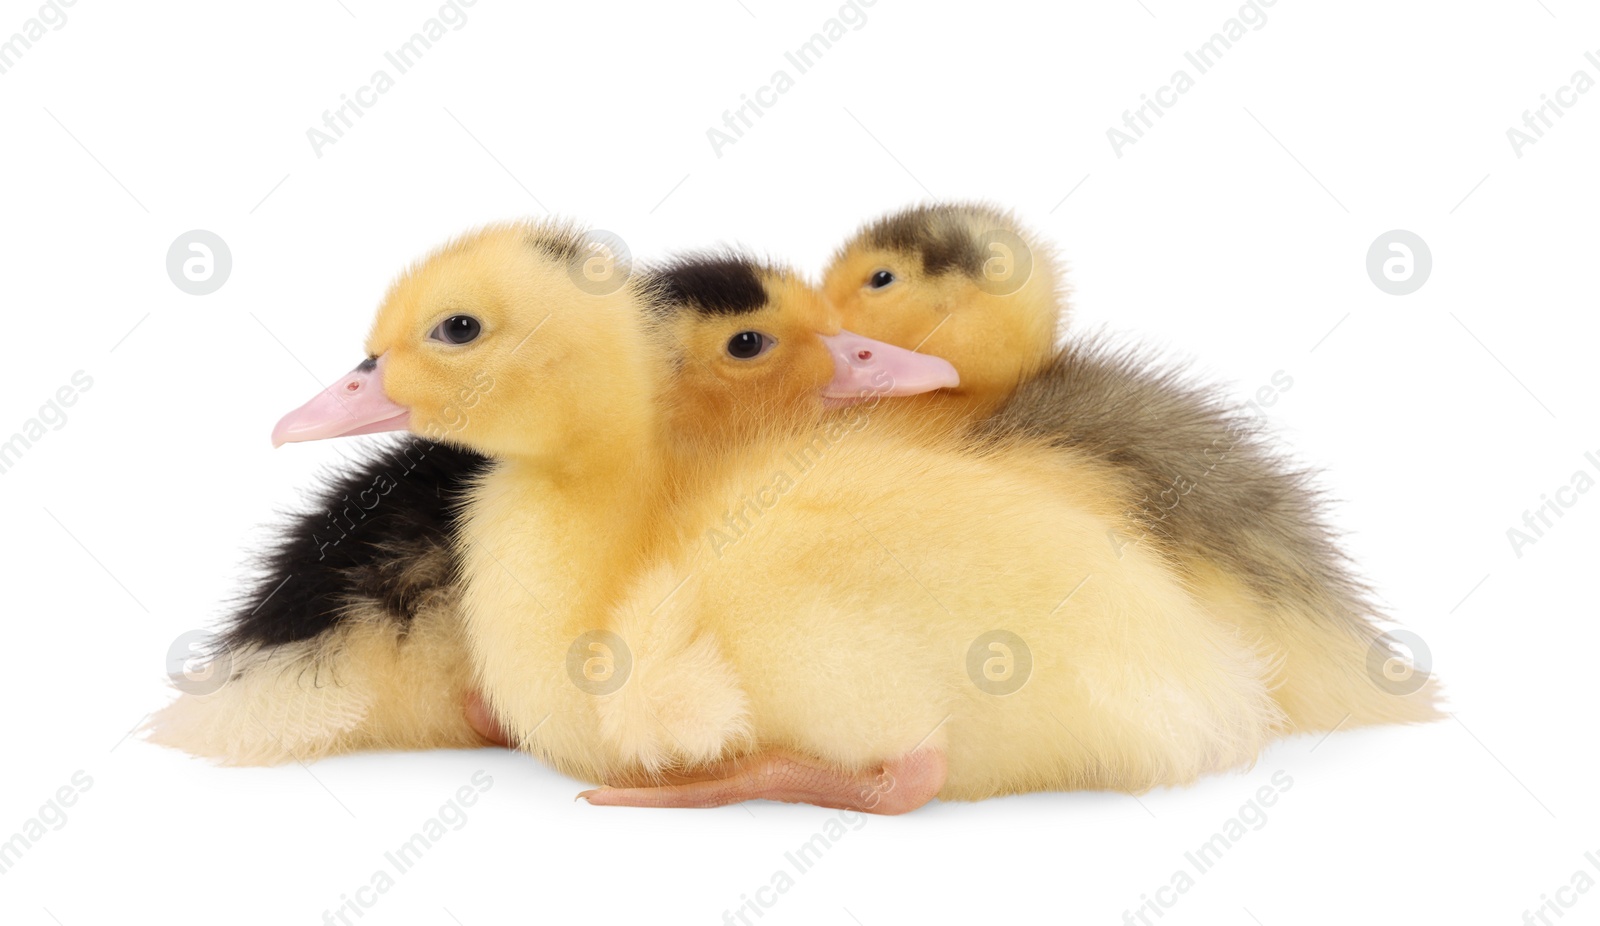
{"points": [[1247, 528], [955, 280], [351, 638], [913, 618]]}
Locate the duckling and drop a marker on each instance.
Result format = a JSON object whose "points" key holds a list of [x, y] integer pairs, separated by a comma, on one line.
{"points": [[955, 280], [947, 614], [351, 638], [1115, 402], [1246, 527]]}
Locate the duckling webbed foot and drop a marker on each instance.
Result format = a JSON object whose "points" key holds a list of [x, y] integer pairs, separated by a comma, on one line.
{"points": [[483, 722], [899, 785]]}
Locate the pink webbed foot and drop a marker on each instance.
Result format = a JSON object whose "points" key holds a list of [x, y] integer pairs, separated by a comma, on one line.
{"points": [[483, 722], [901, 784]]}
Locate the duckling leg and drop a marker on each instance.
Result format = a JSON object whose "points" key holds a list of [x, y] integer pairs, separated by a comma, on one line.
{"points": [[898, 786], [682, 704], [483, 722]]}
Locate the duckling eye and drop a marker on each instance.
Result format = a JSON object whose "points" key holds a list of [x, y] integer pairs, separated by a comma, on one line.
{"points": [[457, 329], [747, 345], [880, 279]]}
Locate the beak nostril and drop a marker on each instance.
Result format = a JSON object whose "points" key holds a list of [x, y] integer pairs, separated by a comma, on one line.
{"points": [[352, 386], [864, 355]]}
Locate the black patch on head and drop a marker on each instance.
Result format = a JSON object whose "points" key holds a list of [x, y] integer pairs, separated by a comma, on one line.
{"points": [[379, 534], [954, 249], [711, 285], [941, 235], [559, 245], [367, 365]]}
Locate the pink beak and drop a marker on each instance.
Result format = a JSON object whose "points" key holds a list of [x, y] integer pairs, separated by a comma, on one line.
{"points": [[355, 404], [863, 368]]}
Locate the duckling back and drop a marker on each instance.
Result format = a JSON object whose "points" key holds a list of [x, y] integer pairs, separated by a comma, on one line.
{"points": [[888, 593], [1246, 526], [349, 637]]}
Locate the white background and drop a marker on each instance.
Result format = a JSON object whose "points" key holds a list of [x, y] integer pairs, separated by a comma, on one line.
{"points": [[1234, 232]]}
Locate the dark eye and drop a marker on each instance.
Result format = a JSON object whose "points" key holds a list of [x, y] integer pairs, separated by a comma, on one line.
{"points": [[880, 279], [747, 345], [457, 329]]}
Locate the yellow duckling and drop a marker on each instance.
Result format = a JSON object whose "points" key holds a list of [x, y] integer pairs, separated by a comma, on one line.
{"points": [[969, 284], [813, 612], [963, 282], [389, 669], [352, 637]]}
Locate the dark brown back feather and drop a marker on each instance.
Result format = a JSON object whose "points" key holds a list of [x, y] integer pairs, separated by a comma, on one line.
{"points": [[1209, 486]]}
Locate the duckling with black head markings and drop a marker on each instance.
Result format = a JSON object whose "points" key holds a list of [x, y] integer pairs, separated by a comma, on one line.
{"points": [[957, 280], [843, 636], [1247, 528], [1116, 404], [351, 636]]}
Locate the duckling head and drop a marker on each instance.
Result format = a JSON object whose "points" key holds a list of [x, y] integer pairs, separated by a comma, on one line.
{"points": [[756, 345], [499, 342], [961, 281]]}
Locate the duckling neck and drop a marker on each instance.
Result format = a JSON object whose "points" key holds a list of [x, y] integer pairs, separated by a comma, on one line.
{"points": [[614, 465], [606, 489], [548, 546]]}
